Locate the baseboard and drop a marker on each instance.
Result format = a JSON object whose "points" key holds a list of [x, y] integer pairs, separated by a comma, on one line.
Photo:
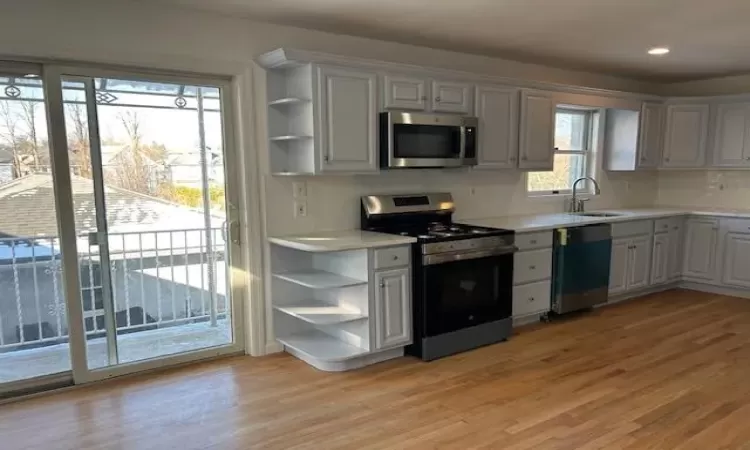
{"points": [[640, 293], [713, 289], [528, 319], [274, 347]]}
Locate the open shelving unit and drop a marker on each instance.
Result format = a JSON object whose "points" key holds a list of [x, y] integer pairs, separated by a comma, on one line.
{"points": [[321, 308], [291, 122]]}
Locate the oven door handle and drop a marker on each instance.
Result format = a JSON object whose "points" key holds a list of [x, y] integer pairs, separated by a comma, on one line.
{"points": [[439, 258]]}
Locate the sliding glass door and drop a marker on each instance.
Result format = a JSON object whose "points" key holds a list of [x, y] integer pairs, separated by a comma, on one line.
{"points": [[33, 320], [140, 273]]}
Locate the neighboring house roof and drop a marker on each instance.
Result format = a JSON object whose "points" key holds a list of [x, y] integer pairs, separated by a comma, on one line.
{"points": [[27, 209]]}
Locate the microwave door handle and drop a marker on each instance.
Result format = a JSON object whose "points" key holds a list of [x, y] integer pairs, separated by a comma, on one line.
{"points": [[462, 144]]}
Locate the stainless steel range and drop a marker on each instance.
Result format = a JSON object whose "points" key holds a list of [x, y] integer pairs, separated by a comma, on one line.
{"points": [[462, 275]]}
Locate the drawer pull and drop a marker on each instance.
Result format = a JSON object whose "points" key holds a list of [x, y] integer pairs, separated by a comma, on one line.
{"points": [[532, 267], [395, 257], [533, 241], [531, 299]]}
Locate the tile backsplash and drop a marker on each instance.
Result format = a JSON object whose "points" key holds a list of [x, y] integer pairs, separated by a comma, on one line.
{"points": [[333, 201], [705, 188]]}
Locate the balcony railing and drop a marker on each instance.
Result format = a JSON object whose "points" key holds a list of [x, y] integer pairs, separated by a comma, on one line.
{"points": [[158, 279]]}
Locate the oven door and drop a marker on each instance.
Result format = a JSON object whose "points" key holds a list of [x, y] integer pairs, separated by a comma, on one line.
{"points": [[424, 140], [468, 292]]}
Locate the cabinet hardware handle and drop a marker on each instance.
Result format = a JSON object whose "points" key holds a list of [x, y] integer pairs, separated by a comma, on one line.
{"points": [[437, 99], [675, 228], [325, 158], [512, 158], [424, 97], [395, 257], [532, 267], [382, 284], [524, 158], [666, 159], [531, 299], [533, 241]]}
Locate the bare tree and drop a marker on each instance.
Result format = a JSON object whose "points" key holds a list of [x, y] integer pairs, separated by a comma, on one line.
{"points": [[78, 139], [29, 115], [11, 135]]}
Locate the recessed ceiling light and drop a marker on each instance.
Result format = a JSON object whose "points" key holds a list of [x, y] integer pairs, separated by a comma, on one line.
{"points": [[658, 51]]}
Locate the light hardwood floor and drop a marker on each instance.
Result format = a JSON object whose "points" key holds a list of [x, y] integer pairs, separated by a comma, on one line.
{"points": [[667, 371]]}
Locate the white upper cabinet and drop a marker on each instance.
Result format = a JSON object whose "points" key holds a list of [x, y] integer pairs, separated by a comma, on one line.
{"points": [[402, 92], [650, 136], [537, 130], [348, 110], [451, 97], [686, 135], [422, 94], [497, 110], [732, 135]]}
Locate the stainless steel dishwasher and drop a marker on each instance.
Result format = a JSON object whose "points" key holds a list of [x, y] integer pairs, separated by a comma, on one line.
{"points": [[580, 267]]}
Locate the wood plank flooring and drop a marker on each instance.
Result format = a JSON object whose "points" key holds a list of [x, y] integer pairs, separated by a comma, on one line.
{"points": [[671, 370]]}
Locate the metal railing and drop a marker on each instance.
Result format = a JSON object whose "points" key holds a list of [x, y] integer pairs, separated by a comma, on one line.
{"points": [[159, 279]]}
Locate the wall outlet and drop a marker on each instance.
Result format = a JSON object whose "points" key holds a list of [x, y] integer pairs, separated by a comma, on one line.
{"points": [[300, 209], [300, 189]]}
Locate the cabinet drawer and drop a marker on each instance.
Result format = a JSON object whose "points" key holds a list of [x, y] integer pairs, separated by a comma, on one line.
{"points": [[664, 225], [533, 265], [530, 241], [391, 257], [636, 228], [736, 225], [531, 298]]}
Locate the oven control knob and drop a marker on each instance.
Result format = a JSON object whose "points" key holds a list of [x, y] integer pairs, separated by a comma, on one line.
{"points": [[471, 317]]}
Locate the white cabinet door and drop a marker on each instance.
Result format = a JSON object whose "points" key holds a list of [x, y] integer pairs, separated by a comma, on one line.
{"points": [[685, 136], [660, 259], [674, 263], [618, 268], [497, 110], [392, 308], [640, 262], [348, 120], [736, 269], [405, 92], [448, 96], [700, 249], [731, 135], [650, 136], [537, 130]]}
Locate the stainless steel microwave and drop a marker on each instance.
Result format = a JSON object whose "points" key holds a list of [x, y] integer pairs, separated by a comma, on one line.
{"points": [[411, 140]]}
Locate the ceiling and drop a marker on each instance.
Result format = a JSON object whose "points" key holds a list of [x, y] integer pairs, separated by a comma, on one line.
{"points": [[707, 37]]}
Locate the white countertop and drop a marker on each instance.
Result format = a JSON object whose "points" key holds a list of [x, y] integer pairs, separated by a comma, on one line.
{"points": [[542, 222], [334, 241]]}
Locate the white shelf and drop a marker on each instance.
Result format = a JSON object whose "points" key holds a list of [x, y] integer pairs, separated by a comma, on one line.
{"points": [[288, 101], [319, 279], [321, 314], [289, 137], [322, 347]]}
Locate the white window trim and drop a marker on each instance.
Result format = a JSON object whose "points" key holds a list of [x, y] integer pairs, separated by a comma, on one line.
{"points": [[590, 151]]}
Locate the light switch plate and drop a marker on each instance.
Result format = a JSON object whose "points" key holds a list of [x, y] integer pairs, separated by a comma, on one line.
{"points": [[300, 189]]}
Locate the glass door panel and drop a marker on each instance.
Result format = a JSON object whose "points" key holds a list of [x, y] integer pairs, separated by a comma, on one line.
{"points": [[33, 319], [148, 186]]}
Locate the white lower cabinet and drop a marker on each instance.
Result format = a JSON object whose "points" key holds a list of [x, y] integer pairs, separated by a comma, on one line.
{"points": [[701, 242], [736, 270], [660, 258], [532, 276], [532, 298], [392, 308], [630, 265]]}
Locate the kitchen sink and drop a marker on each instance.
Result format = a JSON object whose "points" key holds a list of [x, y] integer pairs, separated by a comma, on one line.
{"points": [[597, 214]]}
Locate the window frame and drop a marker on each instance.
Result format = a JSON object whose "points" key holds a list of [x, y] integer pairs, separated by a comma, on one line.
{"points": [[588, 151]]}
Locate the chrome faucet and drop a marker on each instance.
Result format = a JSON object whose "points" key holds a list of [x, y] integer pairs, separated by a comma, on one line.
{"points": [[576, 205]]}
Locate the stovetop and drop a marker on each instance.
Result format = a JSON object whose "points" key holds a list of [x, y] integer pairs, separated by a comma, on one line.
{"points": [[439, 231]]}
